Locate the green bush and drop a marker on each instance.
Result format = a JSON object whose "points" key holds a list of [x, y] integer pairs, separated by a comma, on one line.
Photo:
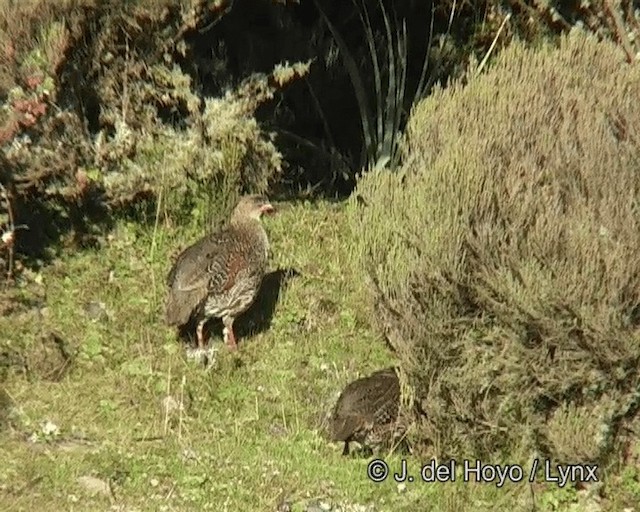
{"points": [[101, 114], [221, 152], [503, 255]]}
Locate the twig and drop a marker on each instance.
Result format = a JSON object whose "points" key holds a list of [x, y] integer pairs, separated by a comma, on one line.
{"points": [[181, 406], [620, 31], [167, 412], [217, 11], [152, 439], [493, 44]]}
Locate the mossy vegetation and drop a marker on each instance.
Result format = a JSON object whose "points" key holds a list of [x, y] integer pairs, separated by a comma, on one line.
{"points": [[100, 117]]}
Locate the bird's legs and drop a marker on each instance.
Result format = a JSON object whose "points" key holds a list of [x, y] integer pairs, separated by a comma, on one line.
{"points": [[200, 334], [227, 332]]}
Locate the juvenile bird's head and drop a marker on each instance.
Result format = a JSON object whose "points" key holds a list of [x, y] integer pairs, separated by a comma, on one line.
{"points": [[252, 207]]}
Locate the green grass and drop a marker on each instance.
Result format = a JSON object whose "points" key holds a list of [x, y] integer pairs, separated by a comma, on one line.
{"points": [[243, 435]]}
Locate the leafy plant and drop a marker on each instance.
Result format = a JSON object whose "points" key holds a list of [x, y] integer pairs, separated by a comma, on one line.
{"points": [[381, 126]]}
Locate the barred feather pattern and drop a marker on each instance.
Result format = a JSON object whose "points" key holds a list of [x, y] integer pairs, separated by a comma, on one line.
{"points": [[220, 275], [367, 410], [239, 296]]}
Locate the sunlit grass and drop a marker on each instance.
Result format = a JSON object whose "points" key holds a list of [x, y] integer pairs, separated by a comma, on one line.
{"points": [[162, 433]]}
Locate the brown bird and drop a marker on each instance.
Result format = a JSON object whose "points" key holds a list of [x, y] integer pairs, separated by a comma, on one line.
{"points": [[220, 275], [367, 411]]}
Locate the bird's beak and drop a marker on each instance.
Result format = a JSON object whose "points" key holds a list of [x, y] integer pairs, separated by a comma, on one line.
{"points": [[267, 209]]}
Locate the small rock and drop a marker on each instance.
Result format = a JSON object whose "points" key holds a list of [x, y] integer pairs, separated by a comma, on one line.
{"points": [[94, 485], [369, 508], [284, 506], [49, 429], [278, 430], [358, 508], [171, 405], [96, 311], [189, 454], [318, 506]]}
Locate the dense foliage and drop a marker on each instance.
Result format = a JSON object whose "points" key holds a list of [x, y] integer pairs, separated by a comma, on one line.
{"points": [[503, 255]]}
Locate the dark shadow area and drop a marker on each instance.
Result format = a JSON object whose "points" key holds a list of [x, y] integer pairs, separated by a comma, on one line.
{"points": [[255, 320], [317, 120], [72, 216], [258, 317], [77, 226]]}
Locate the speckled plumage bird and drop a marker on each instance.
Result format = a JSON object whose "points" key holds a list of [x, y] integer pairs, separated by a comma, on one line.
{"points": [[368, 411], [220, 275]]}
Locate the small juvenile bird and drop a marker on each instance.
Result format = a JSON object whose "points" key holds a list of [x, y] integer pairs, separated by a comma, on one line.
{"points": [[367, 411], [220, 275]]}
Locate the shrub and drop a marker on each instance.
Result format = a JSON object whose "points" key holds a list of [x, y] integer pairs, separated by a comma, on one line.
{"points": [[99, 112], [503, 256], [220, 153]]}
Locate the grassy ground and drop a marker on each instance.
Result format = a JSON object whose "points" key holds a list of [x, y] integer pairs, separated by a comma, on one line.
{"points": [[125, 422]]}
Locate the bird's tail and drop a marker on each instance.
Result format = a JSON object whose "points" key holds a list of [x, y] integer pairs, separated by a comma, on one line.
{"points": [[176, 310]]}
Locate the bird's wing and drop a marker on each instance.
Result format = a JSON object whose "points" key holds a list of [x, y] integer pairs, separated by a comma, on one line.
{"points": [[386, 407], [211, 265], [197, 272], [243, 258], [188, 280], [344, 426], [232, 265], [381, 397], [189, 272]]}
